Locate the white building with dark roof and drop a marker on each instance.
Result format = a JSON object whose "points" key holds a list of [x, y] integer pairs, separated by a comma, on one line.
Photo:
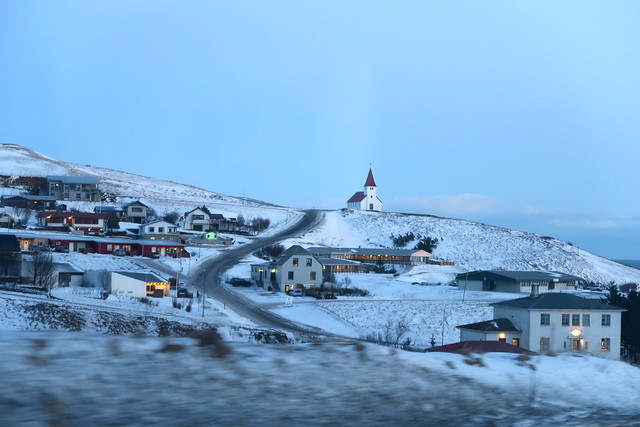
{"points": [[553, 322], [517, 281], [368, 199]]}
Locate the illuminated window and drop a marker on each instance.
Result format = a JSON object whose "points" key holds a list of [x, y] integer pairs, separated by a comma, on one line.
{"points": [[606, 320], [295, 262], [565, 320], [575, 320], [605, 344], [545, 319]]}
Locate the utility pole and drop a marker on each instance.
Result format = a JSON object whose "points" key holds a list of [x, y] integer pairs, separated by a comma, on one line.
{"points": [[204, 289]]}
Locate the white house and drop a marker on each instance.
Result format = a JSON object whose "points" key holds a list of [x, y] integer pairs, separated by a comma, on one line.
{"points": [[159, 230], [553, 322], [366, 200], [295, 267], [199, 219], [138, 285]]}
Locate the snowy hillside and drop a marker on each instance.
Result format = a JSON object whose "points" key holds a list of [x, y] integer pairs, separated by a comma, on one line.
{"points": [[471, 246]]}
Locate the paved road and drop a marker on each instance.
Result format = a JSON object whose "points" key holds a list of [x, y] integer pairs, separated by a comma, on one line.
{"points": [[207, 277]]}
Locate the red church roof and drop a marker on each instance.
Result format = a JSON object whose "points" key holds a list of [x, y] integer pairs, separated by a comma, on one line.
{"points": [[357, 197], [370, 181]]}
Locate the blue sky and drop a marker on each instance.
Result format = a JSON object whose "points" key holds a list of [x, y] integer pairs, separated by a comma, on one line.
{"points": [[517, 114]]}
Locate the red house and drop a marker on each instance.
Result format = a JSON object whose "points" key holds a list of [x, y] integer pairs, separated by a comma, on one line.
{"points": [[89, 223]]}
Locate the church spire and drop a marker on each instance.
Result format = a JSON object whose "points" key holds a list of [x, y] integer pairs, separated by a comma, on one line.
{"points": [[370, 181]]}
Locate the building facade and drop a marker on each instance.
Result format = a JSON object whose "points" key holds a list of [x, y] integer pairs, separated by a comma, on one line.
{"points": [[517, 281], [76, 188]]}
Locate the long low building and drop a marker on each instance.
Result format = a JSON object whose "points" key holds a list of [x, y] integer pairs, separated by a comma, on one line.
{"points": [[374, 255], [517, 281]]}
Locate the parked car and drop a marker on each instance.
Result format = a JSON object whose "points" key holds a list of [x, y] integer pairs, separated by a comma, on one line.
{"points": [[119, 252], [154, 255], [237, 281], [64, 249], [296, 293], [184, 293]]}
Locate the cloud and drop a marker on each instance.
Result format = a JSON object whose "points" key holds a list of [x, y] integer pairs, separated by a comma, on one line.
{"points": [[441, 205]]}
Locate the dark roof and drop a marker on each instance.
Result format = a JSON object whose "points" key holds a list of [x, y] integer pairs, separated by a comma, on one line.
{"points": [[293, 250], [370, 181], [144, 277], [557, 301], [75, 179], [494, 325], [337, 261], [518, 275], [108, 209], [135, 202], [357, 197], [466, 347], [217, 217], [31, 198], [9, 243], [328, 251]]}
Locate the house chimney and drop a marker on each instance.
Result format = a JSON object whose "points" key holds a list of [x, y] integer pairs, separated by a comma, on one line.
{"points": [[535, 291]]}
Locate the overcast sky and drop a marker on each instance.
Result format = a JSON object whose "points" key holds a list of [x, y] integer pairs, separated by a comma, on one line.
{"points": [[517, 114]]}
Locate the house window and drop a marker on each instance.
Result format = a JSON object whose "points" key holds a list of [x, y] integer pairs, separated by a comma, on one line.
{"points": [[605, 344], [586, 320], [151, 229], [160, 229], [544, 344], [198, 217], [109, 248], [295, 262], [312, 275], [575, 320], [502, 340], [309, 262], [290, 275], [565, 320], [606, 320], [137, 209], [516, 342], [545, 319]]}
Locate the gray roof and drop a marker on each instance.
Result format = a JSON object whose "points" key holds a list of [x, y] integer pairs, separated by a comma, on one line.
{"points": [[494, 325], [75, 179], [557, 301], [30, 197], [362, 251], [293, 250], [338, 261], [144, 277], [518, 275]]}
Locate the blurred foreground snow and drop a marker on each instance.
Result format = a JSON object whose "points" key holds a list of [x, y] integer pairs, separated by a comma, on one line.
{"points": [[79, 379]]}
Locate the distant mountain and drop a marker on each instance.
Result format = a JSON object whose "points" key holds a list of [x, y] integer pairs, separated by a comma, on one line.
{"points": [[470, 245]]}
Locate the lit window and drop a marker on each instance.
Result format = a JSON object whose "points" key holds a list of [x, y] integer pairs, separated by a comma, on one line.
{"points": [[606, 320], [605, 344], [545, 319], [295, 262], [565, 320]]}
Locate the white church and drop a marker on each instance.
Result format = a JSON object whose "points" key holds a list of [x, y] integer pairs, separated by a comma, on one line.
{"points": [[366, 200]]}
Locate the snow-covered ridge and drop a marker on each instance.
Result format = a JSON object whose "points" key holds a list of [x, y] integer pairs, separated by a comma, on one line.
{"points": [[470, 245]]}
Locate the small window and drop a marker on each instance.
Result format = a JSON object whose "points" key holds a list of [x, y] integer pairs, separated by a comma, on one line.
{"points": [[565, 320], [575, 320], [606, 320], [586, 320], [290, 275], [152, 229], [545, 319], [295, 262], [160, 229], [109, 247], [544, 344], [605, 344], [516, 342], [309, 262], [312, 275]]}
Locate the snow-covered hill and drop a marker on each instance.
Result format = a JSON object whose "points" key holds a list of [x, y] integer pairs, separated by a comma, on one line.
{"points": [[470, 245]]}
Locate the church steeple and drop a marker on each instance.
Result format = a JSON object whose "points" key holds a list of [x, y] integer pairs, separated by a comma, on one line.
{"points": [[370, 181]]}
